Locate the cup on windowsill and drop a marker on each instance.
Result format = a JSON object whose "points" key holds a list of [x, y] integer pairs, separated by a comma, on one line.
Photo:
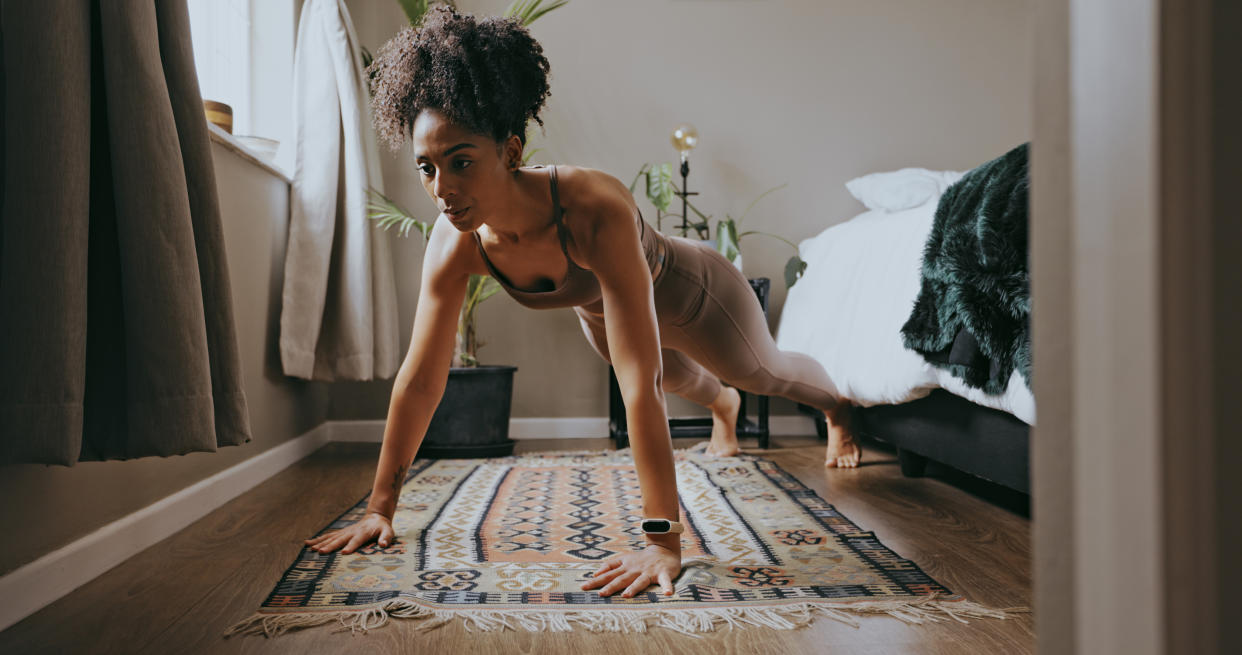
{"points": [[219, 114]]}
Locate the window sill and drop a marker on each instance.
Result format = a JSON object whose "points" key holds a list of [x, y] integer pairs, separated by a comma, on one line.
{"points": [[228, 141]]}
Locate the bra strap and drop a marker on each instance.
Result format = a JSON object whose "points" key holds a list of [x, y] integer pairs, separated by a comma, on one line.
{"points": [[556, 212]]}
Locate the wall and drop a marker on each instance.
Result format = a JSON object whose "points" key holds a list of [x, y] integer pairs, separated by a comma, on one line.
{"points": [[800, 92], [50, 506]]}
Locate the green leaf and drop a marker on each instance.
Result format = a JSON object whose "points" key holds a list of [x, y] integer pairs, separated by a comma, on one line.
{"points": [[388, 214], [489, 288], [642, 170], [794, 268], [528, 11], [478, 289], [415, 10], [705, 217], [660, 186], [726, 239], [791, 244]]}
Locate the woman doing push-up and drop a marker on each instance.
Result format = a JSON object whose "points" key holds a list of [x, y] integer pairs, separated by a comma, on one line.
{"points": [[671, 314]]}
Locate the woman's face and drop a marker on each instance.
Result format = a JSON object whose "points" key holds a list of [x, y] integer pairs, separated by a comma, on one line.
{"points": [[463, 172]]}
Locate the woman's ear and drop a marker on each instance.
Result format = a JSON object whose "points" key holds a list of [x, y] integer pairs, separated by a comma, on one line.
{"points": [[513, 152]]}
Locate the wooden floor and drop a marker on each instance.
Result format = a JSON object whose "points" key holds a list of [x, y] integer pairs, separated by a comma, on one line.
{"points": [[183, 593]]}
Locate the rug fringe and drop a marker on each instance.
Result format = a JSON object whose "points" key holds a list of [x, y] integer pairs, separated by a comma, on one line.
{"points": [[688, 621]]}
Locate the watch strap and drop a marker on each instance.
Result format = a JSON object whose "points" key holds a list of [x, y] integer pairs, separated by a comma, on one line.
{"points": [[660, 526]]}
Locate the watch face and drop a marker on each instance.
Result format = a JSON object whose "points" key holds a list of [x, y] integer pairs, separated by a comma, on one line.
{"points": [[657, 525]]}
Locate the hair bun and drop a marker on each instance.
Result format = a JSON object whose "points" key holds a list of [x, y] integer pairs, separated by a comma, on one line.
{"points": [[487, 74]]}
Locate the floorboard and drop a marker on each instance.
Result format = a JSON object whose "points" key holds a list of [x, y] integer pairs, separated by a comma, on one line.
{"points": [[182, 594]]}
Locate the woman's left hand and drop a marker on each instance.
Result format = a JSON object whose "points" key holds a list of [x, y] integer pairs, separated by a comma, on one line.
{"points": [[634, 572]]}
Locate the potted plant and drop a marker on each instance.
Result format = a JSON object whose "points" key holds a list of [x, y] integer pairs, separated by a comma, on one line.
{"points": [[472, 419], [660, 189]]}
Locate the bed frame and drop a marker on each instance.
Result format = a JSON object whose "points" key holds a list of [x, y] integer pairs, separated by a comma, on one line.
{"points": [[951, 430]]}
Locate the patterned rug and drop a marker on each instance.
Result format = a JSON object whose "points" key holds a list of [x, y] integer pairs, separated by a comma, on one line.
{"points": [[507, 542]]}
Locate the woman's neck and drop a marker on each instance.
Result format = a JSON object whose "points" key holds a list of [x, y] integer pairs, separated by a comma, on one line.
{"points": [[529, 212]]}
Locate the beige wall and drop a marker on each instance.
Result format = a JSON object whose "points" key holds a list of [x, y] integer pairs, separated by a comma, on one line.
{"points": [[804, 92], [49, 506], [800, 92]]}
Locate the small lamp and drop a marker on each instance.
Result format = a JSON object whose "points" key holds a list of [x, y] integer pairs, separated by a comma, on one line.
{"points": [[684, 139]]}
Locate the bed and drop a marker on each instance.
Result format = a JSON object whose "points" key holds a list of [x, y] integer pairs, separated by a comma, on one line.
{"points": [[847, 311]]}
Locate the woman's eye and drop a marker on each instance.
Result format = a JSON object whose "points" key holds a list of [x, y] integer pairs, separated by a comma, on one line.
{"points": [[462, 163], [425, 169]]}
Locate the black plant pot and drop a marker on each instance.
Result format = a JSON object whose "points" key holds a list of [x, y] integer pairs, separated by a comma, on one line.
{"points": [[472, 419]]}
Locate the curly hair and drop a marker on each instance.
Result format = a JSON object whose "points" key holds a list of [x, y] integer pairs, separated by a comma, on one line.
{"points": [[488, 75]]}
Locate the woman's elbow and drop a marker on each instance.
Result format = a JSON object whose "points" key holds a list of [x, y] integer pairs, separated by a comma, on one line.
{"points": [[412, 383], [643, 391]]}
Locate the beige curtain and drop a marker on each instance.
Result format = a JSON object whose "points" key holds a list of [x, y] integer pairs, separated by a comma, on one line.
{"points": [[338, 316], [116, 323]]}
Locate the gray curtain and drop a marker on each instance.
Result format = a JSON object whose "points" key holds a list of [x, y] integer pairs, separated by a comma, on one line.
{"points": [[116, 322]]}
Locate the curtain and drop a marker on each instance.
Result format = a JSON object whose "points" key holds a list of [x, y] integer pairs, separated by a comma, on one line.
{"points": [[338, 311], [116, 324]]}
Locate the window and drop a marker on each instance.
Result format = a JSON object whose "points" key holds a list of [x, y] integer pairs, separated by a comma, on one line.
{"points": [[220, 31], [243, 50]]}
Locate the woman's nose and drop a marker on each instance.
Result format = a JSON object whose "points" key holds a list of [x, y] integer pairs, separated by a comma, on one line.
{"points": [[442, 190]]}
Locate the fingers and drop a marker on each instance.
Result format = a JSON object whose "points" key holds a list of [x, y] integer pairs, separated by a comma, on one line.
{"points": [[353, 544], [610, 564], [328, 543], [386, 536], [603, 574], [620, 582], [600, 579], [314, 540], [335, 544], [666, 584], [640, 583]]}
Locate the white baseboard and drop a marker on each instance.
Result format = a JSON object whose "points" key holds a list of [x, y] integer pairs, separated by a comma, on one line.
{"points": [[43, 581]]}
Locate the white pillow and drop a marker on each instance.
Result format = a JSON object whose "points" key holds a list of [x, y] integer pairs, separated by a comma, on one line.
{"points": [[899, 190]]}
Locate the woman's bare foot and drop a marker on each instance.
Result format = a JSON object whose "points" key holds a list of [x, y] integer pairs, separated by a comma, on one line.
{"points": [[843, 450], [724, 423]]}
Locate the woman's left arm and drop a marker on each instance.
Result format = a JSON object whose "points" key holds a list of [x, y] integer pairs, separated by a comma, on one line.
{"points": [[612, 248]]}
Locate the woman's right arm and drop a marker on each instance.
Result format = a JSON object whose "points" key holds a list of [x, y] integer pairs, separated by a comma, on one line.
{"points": [[417, 389]]}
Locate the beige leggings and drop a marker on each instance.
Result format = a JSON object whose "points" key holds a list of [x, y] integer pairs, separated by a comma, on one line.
{"points": [[712, 329]]}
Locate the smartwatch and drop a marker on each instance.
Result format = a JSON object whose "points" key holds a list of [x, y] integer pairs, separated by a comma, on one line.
{"points": [[661, 526]]}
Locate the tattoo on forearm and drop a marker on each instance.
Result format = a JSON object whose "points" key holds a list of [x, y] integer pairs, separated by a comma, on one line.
{"points": [[398, 478]]}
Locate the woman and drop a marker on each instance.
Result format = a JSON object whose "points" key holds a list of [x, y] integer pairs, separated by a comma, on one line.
{"points": [[669, 313]]}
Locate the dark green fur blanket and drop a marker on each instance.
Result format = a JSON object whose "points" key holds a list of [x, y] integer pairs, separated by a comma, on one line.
{"points": [[972, 315]]}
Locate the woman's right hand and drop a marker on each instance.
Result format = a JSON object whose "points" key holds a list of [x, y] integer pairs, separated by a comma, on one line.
{"points": [[372, 527]]}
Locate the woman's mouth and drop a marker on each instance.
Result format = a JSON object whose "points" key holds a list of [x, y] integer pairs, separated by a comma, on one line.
{"points": [[456, 215]]}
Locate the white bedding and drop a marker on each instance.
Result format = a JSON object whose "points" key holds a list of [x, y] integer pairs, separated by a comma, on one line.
{"points": [[860, 284]]}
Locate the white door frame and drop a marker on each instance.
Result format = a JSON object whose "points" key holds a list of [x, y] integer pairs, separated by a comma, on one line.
{"points": [[1134, 239]]}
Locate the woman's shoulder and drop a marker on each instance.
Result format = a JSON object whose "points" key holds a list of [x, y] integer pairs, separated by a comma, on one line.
{"points": [[592, 199], [451, 251]]}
